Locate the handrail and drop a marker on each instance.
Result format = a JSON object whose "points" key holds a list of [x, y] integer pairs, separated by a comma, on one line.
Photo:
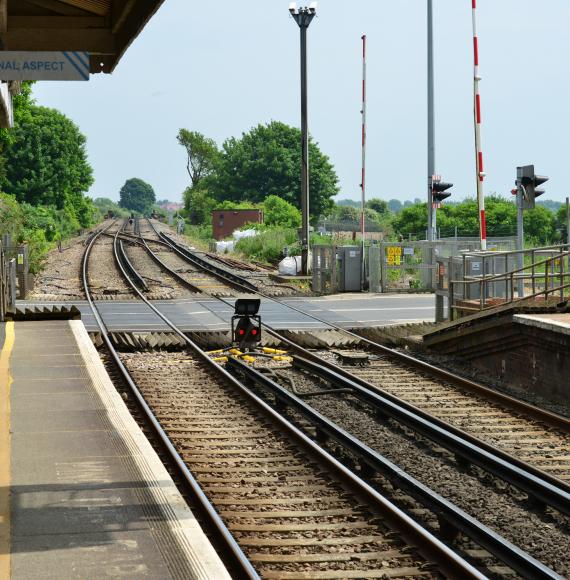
{"points": [[511, 252], [503, 276]]}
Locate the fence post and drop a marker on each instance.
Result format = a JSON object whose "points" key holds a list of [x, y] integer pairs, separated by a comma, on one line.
{"points": [[3, 285], [11, 306], [561, 279], [546, 286], [22, 270]]}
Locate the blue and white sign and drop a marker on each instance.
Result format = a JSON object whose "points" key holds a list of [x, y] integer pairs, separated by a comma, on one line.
{"points": [[44, 66]]}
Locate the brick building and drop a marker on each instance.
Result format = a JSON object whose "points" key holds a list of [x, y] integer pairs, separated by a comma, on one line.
{"points": [[226, 221]]}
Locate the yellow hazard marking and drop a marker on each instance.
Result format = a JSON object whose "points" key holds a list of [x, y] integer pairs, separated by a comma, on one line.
{"points": [[5, 479], [268, 350]]}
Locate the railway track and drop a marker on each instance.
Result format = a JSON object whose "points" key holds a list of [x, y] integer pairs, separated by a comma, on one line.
{"points": [[506, 553], [537, 439], [543, 455], [281, 506]]}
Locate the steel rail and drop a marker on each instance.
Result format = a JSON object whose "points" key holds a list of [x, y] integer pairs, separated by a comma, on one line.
{"points": [[506, 552], [222, 274], [552, 419], [427, 544], [122, 257], [170, 271], [539, 484], [548, 490], [236, 556]]}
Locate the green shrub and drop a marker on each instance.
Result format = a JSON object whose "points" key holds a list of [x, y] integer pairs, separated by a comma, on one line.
{"points": [[278, 212], [268, 245]]}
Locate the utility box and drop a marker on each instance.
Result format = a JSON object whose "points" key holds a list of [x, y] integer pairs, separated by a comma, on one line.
{"points": [[350, 268]]}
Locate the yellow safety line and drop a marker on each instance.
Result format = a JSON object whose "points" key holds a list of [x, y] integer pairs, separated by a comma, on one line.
{"points": [[5, 451]]}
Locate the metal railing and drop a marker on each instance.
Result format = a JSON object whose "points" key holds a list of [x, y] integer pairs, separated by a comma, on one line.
{"points": [[548, 278]]}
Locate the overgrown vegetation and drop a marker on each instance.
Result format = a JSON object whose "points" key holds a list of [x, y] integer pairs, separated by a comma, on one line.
{"points": [[267, 245]]}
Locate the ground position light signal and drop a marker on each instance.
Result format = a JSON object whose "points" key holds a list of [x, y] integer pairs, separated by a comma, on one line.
{"points": [[246, 324]]}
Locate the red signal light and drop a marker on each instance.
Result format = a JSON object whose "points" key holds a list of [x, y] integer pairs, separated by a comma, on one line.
{"points": [[241, 331], [254, 331]]}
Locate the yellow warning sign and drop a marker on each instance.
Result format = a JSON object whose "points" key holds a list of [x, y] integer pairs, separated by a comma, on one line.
{"points": [[394, 255]]}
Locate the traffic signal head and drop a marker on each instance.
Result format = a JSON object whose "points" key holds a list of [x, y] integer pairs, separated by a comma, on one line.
{"points": [[247, 330], [439, 190], [528, 183]]}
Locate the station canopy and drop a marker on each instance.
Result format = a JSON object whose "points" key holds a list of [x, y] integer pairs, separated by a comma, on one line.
{"points": [[103, 28]]}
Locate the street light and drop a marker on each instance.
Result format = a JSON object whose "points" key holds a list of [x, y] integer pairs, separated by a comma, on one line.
{"points": [[304, 16]]}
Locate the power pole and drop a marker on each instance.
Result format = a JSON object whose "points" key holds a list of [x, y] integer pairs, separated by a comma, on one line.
{"points": [[363, 177], [520, 238], [303, 17], [568, 220], [431, 124]]}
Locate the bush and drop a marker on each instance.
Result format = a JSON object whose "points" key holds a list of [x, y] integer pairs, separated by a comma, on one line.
{"points": [[278, 212], [268, 245]]}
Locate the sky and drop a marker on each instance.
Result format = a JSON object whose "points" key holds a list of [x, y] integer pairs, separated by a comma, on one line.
{"points": [[223, 67]]}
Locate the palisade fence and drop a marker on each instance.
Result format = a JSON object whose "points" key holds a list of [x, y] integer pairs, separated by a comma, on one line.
{"points": [[7, 281], [479, 281], [410, 266]]}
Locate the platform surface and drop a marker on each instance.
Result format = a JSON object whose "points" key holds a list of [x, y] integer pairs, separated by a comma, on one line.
{"points": [[193, 314], [89, 496], [556, 322]]}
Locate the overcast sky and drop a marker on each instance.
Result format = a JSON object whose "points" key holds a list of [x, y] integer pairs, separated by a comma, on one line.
{"points": [[222, 67]]}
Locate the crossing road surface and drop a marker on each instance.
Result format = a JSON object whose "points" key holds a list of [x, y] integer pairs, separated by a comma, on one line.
{"points": [[347, 310]]}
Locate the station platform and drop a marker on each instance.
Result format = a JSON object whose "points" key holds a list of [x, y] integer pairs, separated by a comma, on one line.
{"points": [[525, 347], [82, 492]]}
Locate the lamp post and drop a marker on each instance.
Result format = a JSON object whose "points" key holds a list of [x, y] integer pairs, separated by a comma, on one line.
{"points": [[431, 125], [303, 17]]}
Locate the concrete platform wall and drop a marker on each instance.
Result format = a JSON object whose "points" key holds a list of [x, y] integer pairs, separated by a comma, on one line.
{"points": [[525, 355]]}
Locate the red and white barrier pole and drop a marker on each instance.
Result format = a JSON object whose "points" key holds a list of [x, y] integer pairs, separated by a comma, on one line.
{"points": [[478, 148]]}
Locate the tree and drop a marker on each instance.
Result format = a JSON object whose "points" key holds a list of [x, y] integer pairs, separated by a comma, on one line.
{"points": [[540, 225], [562, 223], [395, 205], [198, 205], [278, 212], [345, 213], [378, 205], [412, 220], [201, 154], [104, 205], [267, 161], [137, 195], [46, 163], [350, 202]]}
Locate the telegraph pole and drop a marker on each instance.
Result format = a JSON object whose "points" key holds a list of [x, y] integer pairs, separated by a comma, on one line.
{"points": [[303, 17], [568, 220], [363, 177], [431, 124]]}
